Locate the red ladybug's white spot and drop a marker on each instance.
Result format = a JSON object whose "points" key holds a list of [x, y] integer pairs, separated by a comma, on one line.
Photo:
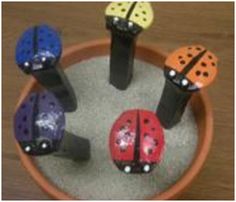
{"points": [[125, 138]]}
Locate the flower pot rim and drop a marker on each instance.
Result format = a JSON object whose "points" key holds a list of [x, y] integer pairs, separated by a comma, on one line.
{"points": [[148, 53]]}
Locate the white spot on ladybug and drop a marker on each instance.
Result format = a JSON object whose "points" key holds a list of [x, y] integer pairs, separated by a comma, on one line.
{"points": [[127, 169], [172, 73], [130, 24], [26, 64], [198, 84], [48, 121], [184, 82], [27, 148], [44, 59], [149, 144], [146, 168], [125, 138], [115, 19], [44, 145]]}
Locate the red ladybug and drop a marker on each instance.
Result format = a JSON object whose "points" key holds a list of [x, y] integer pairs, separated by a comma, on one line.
{"points": [[136, 141]]}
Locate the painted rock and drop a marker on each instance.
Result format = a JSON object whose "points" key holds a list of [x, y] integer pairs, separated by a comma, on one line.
{"points": [[136, 141], [39, 124], [129, 17], [191, 67], [38, 48]]}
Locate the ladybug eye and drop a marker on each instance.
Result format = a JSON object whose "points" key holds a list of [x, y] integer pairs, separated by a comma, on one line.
{"points": [[184, 82], [130, 24], [146, 168], [26, 64], [115, 20], [127, 169], [28, 148], [43, 59], [44, 145], [172, 73]]}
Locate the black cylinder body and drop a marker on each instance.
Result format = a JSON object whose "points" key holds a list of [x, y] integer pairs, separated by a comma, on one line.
{"points": [[121, 60], [55, 80], [172, 104], [74, 147]]}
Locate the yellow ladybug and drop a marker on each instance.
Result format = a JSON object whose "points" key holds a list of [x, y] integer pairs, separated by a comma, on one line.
{"points": [[129, 16]]}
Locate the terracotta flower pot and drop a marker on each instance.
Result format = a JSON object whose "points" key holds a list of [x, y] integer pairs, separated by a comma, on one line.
{"points": [[199, 101]]}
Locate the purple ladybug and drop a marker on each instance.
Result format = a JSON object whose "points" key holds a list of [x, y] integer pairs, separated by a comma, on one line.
{"points": [[39, 123]]}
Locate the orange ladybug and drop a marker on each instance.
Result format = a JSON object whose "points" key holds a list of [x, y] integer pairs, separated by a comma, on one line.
{"points": [[191, 67], [187, 69]]}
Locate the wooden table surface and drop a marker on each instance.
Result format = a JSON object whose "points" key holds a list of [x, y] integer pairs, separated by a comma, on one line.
{"points": [[176, 24]]}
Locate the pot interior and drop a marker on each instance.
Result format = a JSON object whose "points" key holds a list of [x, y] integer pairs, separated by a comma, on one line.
{"points": [[99, 104]]}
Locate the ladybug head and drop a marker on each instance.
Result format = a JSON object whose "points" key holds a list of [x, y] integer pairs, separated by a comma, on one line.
{"points": [[39, 124], [179, 80], [41, 61], [122, 26]]}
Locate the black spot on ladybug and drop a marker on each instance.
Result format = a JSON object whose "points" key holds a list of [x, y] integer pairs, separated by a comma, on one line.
{"points": [[123, 10], [31, 99], [127, 134], [144, 19], [136, 14], [205, 74], [144, 12], [203, 64], [213, 64], [26, 131], [122, 128], [182, 62], [43, 97], [150, 151], [52, 104], [156, 142], [24, 118], [119, 4], [198, 73], [180, 57], [146, 121], [189, 48], [190, 55], [153, 129], [209, 56], [112, 8], [198, 48], [40, 40], [19, 126], [122, 149], [45, 129], [129, 121], [23, 106]]}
